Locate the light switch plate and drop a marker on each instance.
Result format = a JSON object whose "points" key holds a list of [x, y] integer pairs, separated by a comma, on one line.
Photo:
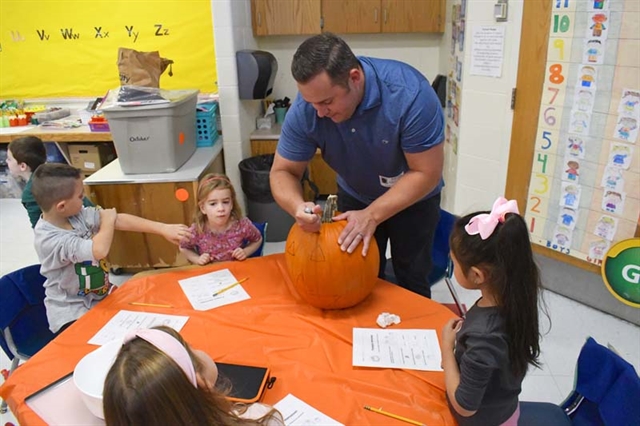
{"points": [[500, 11]]}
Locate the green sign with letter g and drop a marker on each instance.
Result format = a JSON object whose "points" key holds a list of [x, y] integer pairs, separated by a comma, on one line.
{"points": [[621, 271]]}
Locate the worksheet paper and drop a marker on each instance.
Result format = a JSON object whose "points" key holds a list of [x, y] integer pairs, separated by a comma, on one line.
{"points": [[410, 349], [296, 412], [125, 321], [200, 289]]}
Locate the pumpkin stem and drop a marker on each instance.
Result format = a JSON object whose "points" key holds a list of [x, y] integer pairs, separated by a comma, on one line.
{"points": [[330, 208]]}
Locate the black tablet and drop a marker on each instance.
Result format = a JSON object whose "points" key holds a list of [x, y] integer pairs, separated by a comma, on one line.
{"points": [[247, 382]]}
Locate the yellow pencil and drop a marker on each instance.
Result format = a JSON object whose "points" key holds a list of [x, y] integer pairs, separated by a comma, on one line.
{"points": [[155, 305], [393, 416], [230, 286]]}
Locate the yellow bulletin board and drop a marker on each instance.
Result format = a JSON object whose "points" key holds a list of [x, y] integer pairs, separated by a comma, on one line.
{"points": [[52, 48]]}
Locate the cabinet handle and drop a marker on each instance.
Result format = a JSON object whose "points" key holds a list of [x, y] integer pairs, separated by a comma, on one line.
{"points": [[384, 15], [259, 19], [375, 15]]}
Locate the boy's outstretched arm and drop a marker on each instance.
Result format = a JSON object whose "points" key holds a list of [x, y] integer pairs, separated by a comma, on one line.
{"points": [[104, 237], [172, 232]]}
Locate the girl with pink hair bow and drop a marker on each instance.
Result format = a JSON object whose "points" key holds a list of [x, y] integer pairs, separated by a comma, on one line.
{"points": [[485, 356]]}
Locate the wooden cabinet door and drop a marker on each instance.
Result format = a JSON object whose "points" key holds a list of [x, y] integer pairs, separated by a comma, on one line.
{"points": [[285, 17], [351, 16], [153, 201], [413, 16]]}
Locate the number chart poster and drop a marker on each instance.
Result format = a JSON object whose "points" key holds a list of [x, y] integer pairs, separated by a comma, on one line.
{"points": [[51, 48], [585, 180]]}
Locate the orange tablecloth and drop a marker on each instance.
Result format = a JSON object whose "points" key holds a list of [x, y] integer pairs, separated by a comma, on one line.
{"points": [[307, 349]]}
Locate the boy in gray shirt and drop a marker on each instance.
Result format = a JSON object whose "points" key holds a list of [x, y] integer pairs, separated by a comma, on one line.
{"points": [[71, 242]]}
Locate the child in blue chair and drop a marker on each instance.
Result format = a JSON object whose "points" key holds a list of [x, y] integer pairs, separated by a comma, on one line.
{"points": [[486, 356], [24, 156], [71, 242], [220, 232]]}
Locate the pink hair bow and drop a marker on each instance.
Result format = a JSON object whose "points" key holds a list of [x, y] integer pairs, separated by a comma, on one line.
{"points": [[484, 224]]}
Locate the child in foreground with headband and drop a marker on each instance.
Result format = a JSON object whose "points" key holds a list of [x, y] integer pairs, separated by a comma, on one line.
{"points": [[219, 232], [485, 356], [157, 379]]}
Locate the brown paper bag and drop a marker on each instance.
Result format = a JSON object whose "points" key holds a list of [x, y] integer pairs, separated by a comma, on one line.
{"points": [[141, 68]]}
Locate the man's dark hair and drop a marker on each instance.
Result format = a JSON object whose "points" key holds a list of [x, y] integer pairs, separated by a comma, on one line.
{"points": [[29, 150], [324, 52], [52, 183]]}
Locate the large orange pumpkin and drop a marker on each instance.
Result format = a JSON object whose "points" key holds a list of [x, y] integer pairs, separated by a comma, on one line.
{"points": [[325, 276]]}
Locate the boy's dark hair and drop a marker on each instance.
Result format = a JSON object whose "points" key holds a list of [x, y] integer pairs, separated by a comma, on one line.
{"points": [[507, 260], [52, 183], [29, 150], [324, 52]]}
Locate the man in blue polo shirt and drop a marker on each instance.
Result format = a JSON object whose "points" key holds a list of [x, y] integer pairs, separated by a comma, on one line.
{"points": [[379, 125]]}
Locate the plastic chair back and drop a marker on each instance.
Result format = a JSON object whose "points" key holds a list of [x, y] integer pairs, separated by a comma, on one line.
{"points": [[442, 264], [262, 227], [607, 389], [24, 328], [440, 249], [23, 318]]}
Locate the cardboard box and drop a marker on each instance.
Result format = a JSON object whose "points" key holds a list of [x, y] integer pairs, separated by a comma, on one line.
{"points": [[90, 158]]}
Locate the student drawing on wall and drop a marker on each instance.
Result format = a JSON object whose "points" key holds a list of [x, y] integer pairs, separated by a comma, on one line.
{"points": [[626, 129], [612, 202], [568, 218], [612, 178], [571, 195], [620, 155], [572, 171], [562, 236], [575, 146], [597, 249], [629, 103], [580, 122], [594, 51], [598, 24], [606, 227], [598, 4], [588, 77], [584, 101]]}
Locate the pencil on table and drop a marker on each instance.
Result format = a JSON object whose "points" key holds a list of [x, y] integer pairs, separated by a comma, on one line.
{"points": [[154, 305], [230, 286], [393, 416]]}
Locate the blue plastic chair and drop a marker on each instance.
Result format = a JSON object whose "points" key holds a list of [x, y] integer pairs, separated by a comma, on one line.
{"points": [[262, 227], [442, 266], [607, 389], [23, 318]]}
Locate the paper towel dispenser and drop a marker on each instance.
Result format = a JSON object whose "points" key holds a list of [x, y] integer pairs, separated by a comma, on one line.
{"points": [[256, 72]]}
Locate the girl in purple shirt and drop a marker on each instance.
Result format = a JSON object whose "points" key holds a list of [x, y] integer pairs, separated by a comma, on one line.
{"points": [[219, 232]]}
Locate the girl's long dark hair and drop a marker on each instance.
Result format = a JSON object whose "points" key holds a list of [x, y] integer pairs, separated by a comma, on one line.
{"points": [[507, 260]]}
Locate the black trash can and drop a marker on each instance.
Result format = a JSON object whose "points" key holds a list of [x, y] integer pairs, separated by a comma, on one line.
{"points": [[261, 206]]}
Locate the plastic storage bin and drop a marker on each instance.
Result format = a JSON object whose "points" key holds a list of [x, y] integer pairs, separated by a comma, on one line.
{"points": [[206, 125], [155, 138]]}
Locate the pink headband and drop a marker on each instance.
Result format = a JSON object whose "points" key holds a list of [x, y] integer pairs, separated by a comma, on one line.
{"points": [[170, 346], [484, 224]]}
